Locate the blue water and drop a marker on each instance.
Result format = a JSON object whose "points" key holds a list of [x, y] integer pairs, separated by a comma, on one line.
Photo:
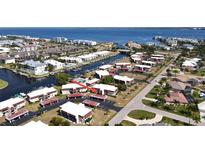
{"points": [[118, 35], [18, 83]]}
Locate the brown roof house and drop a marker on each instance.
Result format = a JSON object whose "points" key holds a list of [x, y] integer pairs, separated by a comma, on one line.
{"points": [[178, 86], [176, 97]]}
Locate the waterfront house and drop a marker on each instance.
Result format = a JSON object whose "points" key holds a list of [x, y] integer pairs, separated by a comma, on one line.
{"points": [[34, 67], [72, 88], [142, 68], [124, 79], [11, 105], [76, 113], [106, 67], [55, 64], [42, 94], [7, 60], [176, 97], [72, 59], [17, 115], [102, 73], [106, 89], [123, 66], [93, 81]]}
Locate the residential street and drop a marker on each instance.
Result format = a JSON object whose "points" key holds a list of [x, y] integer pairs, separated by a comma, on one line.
{"points": [[136, 103]]}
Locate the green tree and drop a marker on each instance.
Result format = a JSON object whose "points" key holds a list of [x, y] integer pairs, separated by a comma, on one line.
{"points": [[50, 68], [107, 80], [175, 71], [61, 78], [122, 87], [57, 121]]}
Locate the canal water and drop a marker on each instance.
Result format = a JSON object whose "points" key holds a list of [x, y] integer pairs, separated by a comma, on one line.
{"points": [[20, 84]]}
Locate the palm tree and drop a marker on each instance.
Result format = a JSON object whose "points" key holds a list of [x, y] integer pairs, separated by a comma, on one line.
{"points": [[175, 71]]}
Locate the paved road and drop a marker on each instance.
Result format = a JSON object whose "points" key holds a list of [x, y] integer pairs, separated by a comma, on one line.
{"points": [[136, 103]]}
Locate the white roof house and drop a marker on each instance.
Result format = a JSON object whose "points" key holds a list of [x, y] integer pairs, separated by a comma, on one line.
{"points": [[102, 73], [122, 64], [92, 81], [10, 102], [105, 67], [35, 124], [123, 78], [191, 62], [75, 109], [143, 66], [105, 87], [71, 86], [157, 58], [102, 53], [201, 107], [72, 59], [56, 64], [157, 55], [40, 92], [4, 50], [148, 62]]}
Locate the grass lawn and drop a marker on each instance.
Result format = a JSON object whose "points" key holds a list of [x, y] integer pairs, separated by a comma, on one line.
{"points": [[3, 84], [182, 110], [127, 123], [141, 114], [173, 122]]}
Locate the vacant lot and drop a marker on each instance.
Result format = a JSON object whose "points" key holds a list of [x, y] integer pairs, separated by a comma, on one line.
{"points": [[137, 76], [100, 117]]}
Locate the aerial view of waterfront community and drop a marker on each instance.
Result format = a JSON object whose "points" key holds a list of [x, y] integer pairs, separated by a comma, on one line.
{"points": [[102, 76]]}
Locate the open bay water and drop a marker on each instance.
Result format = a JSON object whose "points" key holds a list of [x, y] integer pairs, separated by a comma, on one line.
{"points": [[118, 35]]}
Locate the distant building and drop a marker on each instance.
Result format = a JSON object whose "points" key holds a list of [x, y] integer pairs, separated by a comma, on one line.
{"points": [[60, 39], [7, 60], [56, 64], [34, 67], [4, 50], [85, 42], [72, 59], [132, 44]]}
